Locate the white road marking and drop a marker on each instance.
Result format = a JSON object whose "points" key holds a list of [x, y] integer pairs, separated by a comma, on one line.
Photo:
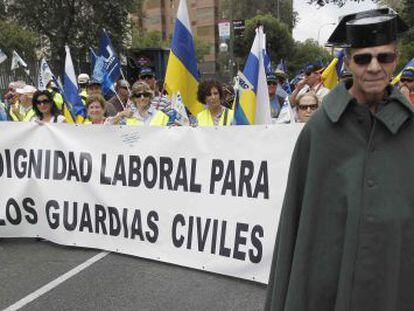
{"points": [[48, 287]]}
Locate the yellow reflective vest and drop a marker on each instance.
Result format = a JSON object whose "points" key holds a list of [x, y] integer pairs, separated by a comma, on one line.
{"points": [[204, 118], [25, 116], [159, 119], [57, 98]]}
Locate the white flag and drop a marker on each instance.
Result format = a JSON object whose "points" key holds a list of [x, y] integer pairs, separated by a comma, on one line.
{"points": [[178, 106], [45, 75], [263, 115], [3, 56], [286, 115], [17, 61]]}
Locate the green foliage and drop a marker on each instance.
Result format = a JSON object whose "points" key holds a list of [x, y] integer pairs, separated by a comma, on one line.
{"points": [[77, 23], [279, 39], [201, 49], [406, 45], [149, 39], [407, 13], [406, 54], [15, 37], [280, 44], [245, 9], [153, 39], [305, 53]]}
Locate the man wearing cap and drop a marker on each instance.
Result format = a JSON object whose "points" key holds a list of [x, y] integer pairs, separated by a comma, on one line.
{"points": [[312, 81], [22, 110], [346, 232], [277, 95], [147, 75], [282, 80], [407, 83], [83, 80]]}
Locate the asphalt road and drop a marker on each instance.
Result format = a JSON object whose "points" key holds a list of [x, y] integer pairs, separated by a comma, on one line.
{"points": [[115, 282]]}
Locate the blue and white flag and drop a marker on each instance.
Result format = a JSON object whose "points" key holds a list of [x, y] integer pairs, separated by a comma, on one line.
{"points": [[107, 69], [252, 105], [70, 90], [266, 59]]}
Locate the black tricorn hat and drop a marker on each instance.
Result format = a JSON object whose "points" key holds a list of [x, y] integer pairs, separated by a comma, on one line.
{"points": [[367, 28]]}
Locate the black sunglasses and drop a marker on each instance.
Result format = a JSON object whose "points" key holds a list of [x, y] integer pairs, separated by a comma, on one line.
{"points": [[406, 80], [366, 58], [146, 77], [45, 101], [139, 95], [305, 107]]}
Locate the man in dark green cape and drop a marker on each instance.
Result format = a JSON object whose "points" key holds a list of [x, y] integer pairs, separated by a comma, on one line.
{"points": [[345, 240]]}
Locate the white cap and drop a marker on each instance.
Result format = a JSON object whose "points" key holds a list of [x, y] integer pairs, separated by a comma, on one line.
{"points": [[16, 85], [27, 89], [83, 78]]}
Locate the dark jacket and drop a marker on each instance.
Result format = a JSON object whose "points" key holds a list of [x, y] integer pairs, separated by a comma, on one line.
{"points": [[346, 235]]}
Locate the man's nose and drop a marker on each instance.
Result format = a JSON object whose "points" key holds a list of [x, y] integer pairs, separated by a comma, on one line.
{"points": [[374, 65]]}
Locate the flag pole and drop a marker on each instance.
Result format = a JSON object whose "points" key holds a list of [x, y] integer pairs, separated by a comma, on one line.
{"points": [[123, 77]]}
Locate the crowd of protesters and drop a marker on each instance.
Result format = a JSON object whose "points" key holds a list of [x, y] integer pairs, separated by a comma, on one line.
{"points": [[145, 102]]}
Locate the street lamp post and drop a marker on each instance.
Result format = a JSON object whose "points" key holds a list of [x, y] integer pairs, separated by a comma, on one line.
{"points": [[320, 28]]}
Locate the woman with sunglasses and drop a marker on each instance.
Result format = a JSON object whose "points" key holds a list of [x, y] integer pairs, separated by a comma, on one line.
{"points": [[210, 94], [306, 105], [45, 108], [140, 111]]}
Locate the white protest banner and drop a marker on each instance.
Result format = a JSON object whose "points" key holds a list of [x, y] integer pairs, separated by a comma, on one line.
{"points": [[205, 198]]}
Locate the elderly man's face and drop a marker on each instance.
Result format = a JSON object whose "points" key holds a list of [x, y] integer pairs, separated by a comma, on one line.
{"points": [[372, 68]]}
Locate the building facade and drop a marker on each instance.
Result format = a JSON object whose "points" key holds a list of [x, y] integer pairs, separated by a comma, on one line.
{"points": [[159, 15]]}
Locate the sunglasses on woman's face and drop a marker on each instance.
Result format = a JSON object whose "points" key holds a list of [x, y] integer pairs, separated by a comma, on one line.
{"points": [[406, 80], [306, 107], [43, 102], [382, 58], [140, 95]]}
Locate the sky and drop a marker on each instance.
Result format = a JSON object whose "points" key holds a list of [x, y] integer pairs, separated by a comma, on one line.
{"points": [[313, 19]]}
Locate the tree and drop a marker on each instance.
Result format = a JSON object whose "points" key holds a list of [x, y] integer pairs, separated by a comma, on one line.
{"points": [[242, 9], [15, 37], [305, 53], [201, 49], [280, 43], [406, 45], [149, 39], [77, 23]]}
